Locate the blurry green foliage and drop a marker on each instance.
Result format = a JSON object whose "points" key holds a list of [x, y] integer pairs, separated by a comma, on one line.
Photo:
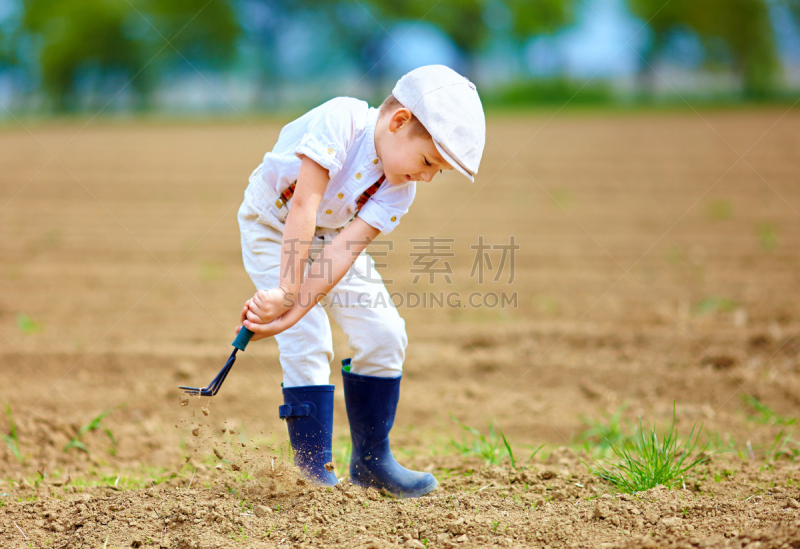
{"points": [[794, 9], [674, 255], [714, 304], [130, 43], [720, 210], [767, 236], [28, 325], [5, 48], [127, 38], [743, 26], [465, 20], [211, 272], [554, 91], [562, 198]]}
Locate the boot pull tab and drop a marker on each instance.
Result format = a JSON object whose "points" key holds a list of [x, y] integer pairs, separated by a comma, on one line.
{"points": [[304, 409]]}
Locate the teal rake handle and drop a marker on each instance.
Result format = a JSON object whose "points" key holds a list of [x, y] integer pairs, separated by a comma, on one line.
{"points": [[239, 344], [242, 339]]}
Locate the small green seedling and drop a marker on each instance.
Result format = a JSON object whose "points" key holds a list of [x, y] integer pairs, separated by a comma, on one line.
{"points": [[714, 304], [28, 325], [767, 236], [93, 425], [784, 446], [489, 447], [12, 438], [765, 414], [650, 462], [604, 433]]}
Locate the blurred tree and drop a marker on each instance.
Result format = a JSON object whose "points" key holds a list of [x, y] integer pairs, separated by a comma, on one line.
{"points": [[203, 31], [794, 8], [742, 25], [465, 21], [5, 49], [112, 38]]}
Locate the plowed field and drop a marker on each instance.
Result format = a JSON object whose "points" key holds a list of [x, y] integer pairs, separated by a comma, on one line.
{"points": [[658, 268]]}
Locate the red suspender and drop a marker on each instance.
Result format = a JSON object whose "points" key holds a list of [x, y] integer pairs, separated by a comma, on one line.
{"points": [[289, 191], [369, 192]]}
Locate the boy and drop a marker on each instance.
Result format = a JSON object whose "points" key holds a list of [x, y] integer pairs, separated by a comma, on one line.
{"points": [[337, 177]]}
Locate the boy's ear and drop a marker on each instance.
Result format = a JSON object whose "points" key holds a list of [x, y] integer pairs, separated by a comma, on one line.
{"points": [[399, 119]]}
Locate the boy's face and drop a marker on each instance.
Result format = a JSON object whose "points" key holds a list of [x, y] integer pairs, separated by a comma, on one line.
{"points": [[406, 157]]}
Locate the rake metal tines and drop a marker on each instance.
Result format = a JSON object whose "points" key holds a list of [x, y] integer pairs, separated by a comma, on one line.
{"points": [[213, 387]]}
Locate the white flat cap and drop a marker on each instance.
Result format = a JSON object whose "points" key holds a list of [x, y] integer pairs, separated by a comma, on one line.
{"points": [[448, 106]]}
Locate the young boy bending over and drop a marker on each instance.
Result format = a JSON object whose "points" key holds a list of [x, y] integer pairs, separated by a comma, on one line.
{"points": [[337, 177]]}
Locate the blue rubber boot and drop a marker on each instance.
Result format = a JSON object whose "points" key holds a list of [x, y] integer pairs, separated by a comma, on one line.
{"points": [[371, 406], [308, 412]]}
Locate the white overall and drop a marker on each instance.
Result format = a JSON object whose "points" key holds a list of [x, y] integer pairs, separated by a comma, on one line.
{"points": [[359, 303]]}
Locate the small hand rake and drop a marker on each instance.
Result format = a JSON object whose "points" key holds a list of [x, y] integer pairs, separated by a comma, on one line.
{"points": [[239, 344]]}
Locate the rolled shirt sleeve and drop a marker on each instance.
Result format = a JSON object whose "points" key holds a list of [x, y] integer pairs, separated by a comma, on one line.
{"points": [[330, 133], [385, 208]]}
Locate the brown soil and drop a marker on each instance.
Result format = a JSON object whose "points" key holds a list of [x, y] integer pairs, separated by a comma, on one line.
{"points": [[656, 267]]}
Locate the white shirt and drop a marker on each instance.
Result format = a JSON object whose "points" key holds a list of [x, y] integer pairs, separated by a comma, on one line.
{"points": [[339, 135]]}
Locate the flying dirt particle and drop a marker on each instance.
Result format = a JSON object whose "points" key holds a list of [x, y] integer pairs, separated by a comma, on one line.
{"points": [[243, 445], [330, 467], [235, 467], [219, 467], [205, 411], [196, 431], [232, 431], [184, 401], [217, 453], [301, 482], [223, 430]]}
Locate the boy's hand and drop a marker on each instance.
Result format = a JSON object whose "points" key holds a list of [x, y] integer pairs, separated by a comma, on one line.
{"points": [[265, 306], [281, 323]]}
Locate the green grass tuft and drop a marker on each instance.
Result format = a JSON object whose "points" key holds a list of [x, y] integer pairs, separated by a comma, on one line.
{"points": [[650, 462], [767, 236], [489, 447], [12, 438], [602, 434], [714, 304], [765, 414], [93, 425], [784, 447], [28, 325]]}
